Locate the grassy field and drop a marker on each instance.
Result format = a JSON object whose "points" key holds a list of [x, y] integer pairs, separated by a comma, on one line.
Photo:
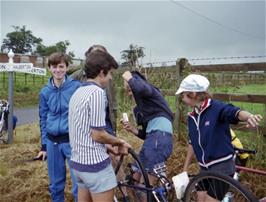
{"points": [[26, 88], [28, 181], [257, 89]]}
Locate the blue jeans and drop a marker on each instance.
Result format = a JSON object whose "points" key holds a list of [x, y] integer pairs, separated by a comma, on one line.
{"points": [[57, 154], [157, 148]]}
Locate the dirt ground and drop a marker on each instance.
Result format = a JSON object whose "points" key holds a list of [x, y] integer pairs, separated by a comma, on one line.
{"points": [[27, 181]]}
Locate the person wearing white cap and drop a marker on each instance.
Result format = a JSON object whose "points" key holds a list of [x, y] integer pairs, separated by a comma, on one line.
{"points": [[209, 132]]}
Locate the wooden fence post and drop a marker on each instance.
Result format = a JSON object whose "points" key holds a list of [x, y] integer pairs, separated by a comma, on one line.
{"points": [[111, 95], [177, 101], [183, 68]]}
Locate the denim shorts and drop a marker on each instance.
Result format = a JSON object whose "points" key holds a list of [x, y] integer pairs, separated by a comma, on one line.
{"points": [[156, 148], [97, 182]]}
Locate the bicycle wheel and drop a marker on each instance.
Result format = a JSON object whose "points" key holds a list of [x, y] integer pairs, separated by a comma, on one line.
{"points": [[133, 187], [218, 186], [3, 136]]}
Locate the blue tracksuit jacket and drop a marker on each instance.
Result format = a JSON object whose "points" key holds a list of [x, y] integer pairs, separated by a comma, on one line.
{"points": [[53, 108], [209, 132]]}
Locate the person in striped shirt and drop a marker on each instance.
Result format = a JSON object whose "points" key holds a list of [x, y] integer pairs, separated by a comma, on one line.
{"points": [[87, 111], [110, 118]]}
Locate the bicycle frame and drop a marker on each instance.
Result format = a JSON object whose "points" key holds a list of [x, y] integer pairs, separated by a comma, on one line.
{"points": [[251, 170], [160, 193], [4, 106], [157, 192]]}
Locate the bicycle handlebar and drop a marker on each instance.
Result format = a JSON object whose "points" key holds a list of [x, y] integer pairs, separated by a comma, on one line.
{"points": [[241, 151]]}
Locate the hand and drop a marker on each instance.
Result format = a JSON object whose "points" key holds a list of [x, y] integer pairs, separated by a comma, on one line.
{"points": [[129, 127], [127, 75], [123, 148], [41, 154], [253, 120], [112, 149]]}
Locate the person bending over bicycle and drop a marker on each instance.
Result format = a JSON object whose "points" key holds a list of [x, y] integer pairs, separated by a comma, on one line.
{"points": [[154, 115], [209, 133]]}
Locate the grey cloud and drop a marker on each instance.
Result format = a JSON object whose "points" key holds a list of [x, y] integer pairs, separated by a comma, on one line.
{"points": [[166, 30]]}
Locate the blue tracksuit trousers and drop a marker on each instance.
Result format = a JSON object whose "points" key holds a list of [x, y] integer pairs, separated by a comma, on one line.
{"points": [[57, 154]]}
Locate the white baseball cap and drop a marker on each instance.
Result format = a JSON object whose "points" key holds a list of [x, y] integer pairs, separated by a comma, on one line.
{"points": [[193, 83]]}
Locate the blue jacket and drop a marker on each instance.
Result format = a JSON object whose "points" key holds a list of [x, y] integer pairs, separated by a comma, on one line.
{"points": [[209, 132], [149, 100], [53, 108]]}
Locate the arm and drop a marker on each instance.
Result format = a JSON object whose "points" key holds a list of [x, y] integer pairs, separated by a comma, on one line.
{"points": [[138, 86], [43, 110], [250, 119], [103, 137], [97, 123], [190, 155], [130, 128]]}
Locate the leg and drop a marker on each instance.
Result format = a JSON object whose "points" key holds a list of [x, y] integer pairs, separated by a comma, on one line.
{"points": [[156, 150], [67, 151], [210, 199], [84, 195], [201, 196], [99, 185], [56, 171], [120, 175], [107, 196]]}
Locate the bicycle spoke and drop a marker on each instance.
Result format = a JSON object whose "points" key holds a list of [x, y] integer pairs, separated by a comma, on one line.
{"points": [[217, 186], [135, 181]]}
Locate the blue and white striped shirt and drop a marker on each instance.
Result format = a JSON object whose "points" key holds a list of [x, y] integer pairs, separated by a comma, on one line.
{"points": [[87, 110]]}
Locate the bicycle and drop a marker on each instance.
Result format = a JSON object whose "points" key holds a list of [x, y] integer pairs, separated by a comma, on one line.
{"points": [[242, 168], [4, 106], [4, 110], [164, 190]]}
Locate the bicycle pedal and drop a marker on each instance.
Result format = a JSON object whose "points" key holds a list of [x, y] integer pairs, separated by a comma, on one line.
{"points": [[160, 169]]}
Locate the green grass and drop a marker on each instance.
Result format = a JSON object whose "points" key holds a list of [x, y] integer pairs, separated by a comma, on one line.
{"points": [[251, 107], [254, 140], [258, 89], [26, 88]]}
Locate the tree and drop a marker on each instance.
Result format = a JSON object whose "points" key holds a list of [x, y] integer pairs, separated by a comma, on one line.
{"points": [[20, 41], [60, 46], [132, 54]]}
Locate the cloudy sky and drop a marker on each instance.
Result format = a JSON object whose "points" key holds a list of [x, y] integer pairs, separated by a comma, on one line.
{"points": [[166, 29]]}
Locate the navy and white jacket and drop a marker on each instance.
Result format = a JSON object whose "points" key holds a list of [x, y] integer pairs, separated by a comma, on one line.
{"points": [[149, 100], [209, 132], [53, 108]]}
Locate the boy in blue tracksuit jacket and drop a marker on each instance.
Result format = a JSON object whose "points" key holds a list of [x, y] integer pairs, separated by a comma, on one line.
{"points": [[53, 112], [154, 115], [209, 131]]}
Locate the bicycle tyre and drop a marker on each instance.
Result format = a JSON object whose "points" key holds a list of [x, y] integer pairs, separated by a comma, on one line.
{"points": [[147, 186], [3, 137], [240, 192]]}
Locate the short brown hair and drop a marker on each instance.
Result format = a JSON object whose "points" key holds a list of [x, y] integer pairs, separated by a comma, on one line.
{"points": [[94, 48], [200, 96], [58, 57], [97, 61]]}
